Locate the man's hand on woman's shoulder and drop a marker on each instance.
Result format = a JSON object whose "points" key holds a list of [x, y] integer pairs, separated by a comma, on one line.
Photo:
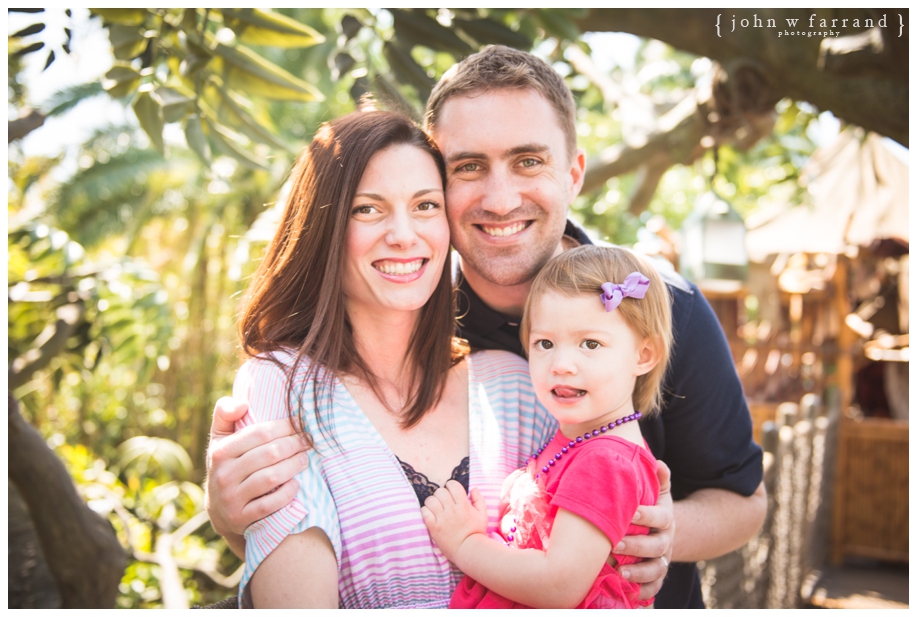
{"points": [[250, 472]]}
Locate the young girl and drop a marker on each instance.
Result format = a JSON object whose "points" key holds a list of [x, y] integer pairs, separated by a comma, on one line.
{"points": [[597, 330]]}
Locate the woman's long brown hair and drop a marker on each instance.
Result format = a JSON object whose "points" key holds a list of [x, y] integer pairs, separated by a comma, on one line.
{"points": [[296, 298]]}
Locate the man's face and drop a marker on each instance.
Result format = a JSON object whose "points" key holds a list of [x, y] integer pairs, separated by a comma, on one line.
{"points": [[509, 181]]}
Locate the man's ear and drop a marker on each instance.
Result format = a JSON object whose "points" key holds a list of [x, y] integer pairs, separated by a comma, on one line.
{"points": [[648, 355], [577, 173]]}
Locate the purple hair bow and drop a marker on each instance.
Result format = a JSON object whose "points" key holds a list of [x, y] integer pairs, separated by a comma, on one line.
{"points": [[634, 286]]}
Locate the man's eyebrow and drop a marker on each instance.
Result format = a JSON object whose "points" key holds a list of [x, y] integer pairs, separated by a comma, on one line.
{"points": [[532, 148], [526, 149], [461, 156]]}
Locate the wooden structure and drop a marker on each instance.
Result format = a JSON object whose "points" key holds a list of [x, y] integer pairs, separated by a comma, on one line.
{"points": [[871, 499]]}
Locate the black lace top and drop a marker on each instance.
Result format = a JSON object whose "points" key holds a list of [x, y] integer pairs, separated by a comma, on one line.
{"points": [[421, 484]]}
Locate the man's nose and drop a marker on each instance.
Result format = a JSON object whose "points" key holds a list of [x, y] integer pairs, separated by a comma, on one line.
{"points": [[502, 193]]}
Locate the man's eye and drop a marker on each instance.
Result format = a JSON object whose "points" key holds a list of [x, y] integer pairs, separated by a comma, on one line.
{"points": [[590, 344], [469, 167], [529, 162], [544, 344]]}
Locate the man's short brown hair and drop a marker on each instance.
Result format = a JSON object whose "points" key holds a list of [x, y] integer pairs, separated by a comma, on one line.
{"points": [[498, 67]]}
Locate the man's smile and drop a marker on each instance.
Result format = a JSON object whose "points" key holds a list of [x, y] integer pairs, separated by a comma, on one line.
{"points": [[503, 231]]}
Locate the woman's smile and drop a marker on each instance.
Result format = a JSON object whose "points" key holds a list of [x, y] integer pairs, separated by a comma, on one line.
{"points": [[400, 270]]}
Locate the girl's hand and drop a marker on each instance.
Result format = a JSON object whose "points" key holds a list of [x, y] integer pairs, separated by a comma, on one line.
{"points": [[451, 517]]}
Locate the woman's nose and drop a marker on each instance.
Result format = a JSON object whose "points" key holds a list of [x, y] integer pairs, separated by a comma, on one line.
{"points": [[401, 230]]}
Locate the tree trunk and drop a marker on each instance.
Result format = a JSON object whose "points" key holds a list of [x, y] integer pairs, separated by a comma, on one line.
{"points": [[30, 582], [80, 547]]}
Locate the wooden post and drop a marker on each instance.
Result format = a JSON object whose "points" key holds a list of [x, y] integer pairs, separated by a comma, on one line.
{"points": [[845, 337]]}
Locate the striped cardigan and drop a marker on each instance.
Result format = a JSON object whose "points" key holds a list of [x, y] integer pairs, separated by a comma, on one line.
{"points": [[359, 496]]}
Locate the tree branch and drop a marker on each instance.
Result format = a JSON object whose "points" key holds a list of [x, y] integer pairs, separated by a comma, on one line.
{"points": [[81, 549], [48, 344], [18, 129], [736, 109], [676, 141], [648, 177]]}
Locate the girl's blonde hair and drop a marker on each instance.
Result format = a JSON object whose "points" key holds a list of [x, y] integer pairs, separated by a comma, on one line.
{"points": [[582, 271]]}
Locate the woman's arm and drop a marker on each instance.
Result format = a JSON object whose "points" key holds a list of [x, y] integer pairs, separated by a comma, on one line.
{"points": [[300, 573], [558, 578]]}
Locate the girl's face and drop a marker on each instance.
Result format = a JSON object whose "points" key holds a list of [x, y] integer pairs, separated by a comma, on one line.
{"points": [[398, 237], [584, 361]]}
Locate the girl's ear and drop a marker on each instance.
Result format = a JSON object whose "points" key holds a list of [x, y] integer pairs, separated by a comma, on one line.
{"points": [[648, 355]]}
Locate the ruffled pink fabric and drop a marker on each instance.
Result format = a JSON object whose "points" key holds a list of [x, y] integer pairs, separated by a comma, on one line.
{"points": [[525, 506]]}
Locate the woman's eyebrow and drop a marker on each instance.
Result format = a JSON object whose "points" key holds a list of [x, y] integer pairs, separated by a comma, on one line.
{"points": [[378, 197], [375, 196]]}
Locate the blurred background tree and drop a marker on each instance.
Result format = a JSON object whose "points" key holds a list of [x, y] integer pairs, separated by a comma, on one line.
{"points": [[127, 252]]}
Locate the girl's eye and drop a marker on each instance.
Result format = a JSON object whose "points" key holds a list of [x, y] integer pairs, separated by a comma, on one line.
{"points": [[590, 344], [544, 344]]}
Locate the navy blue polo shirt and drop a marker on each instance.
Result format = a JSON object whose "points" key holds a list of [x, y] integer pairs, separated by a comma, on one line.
{"points": [[704, 431]]}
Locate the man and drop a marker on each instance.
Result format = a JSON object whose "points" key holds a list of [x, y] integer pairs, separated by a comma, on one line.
{"points": [[504, 121]]}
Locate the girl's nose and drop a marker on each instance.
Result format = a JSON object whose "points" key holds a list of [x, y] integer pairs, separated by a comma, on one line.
{"points": [[562, 363]]}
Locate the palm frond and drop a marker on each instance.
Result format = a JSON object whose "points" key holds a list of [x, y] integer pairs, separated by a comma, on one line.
{"points": [[68, 98]]}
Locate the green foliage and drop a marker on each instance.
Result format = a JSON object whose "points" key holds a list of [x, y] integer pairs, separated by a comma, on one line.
{"points": [[172, 64]]}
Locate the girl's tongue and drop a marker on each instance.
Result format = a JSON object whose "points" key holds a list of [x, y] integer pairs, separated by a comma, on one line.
{"points": [[565, 392]]}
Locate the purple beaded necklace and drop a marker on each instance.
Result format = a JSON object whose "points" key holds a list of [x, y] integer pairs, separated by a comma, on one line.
{"points": [[587, 435], [572, 444]]}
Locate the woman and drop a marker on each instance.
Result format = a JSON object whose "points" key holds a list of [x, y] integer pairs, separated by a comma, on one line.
{"points": [[349, 326]]}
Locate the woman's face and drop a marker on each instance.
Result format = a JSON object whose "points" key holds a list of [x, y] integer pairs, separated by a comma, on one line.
{"points": [[398, 236]]}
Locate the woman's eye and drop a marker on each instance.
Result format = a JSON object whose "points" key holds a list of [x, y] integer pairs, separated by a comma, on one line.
{"points": [[427, 206], [363, 210], [544, 344], [590, 344]]}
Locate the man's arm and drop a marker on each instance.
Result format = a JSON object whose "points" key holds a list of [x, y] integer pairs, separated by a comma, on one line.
{"points": [[250, 472], [712, 522]]}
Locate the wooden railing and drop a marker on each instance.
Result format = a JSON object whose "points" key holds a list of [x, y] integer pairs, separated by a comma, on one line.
{"points": [[822, 472], [769, 571]]}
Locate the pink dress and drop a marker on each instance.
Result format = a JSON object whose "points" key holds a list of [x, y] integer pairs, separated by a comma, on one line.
{"points": [[603, 480]]}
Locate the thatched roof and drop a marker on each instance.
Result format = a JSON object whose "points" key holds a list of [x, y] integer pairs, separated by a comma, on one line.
{"points": [[857, 192]]}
